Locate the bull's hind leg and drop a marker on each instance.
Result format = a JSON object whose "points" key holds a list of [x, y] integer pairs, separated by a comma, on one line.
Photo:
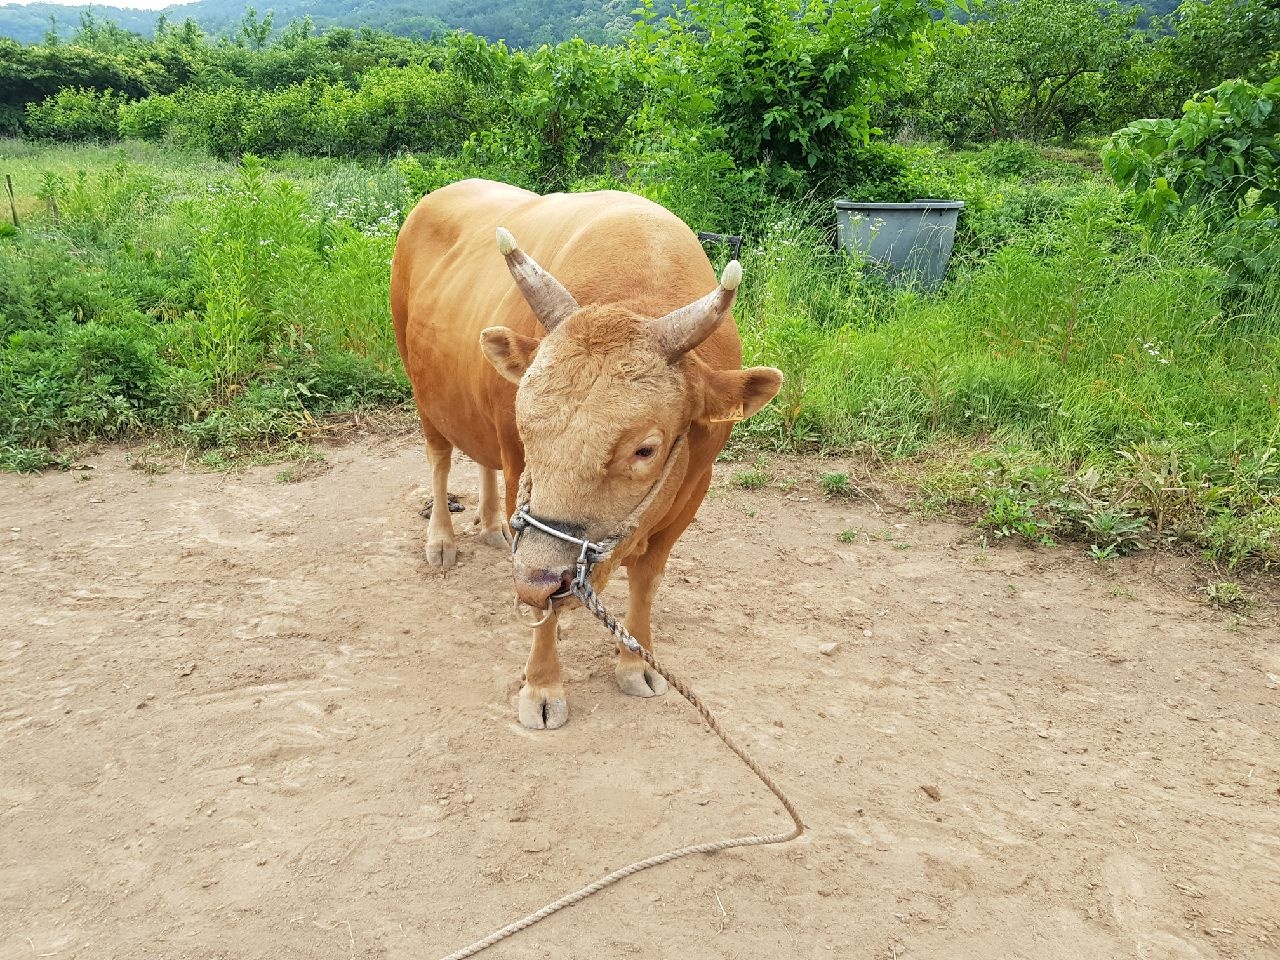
{"points": [[542, 705], [442, 550], [491, 517]]}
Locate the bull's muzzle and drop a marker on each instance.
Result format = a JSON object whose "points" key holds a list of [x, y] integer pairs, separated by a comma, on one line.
{"points": [[537, 588]]}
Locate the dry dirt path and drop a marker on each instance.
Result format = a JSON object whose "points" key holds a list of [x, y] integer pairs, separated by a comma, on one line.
{"points": [[242, 719]]}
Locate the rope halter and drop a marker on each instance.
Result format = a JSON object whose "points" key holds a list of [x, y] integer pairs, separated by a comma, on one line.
{"points": [[590, 552]]}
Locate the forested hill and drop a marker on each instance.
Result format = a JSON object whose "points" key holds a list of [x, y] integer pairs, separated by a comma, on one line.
{"points": [[521, 23]]}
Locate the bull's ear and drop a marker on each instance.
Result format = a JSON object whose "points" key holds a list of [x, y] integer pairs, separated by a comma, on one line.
{"points": [[509, 352], [736, 394]]}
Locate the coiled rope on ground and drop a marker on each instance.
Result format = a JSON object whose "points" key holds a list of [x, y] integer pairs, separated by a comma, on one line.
{"points": [[583, 591]]}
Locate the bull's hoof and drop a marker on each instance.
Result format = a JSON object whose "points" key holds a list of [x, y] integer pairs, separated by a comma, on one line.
{"points": [[495, 538], [639, 681], [542, 708], [441, 554]]}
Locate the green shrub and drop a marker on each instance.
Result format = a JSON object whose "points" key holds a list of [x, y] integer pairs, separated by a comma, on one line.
{"points": [[1232, 539], [1223, 155], [705, 188], [264, 415], [152, 307], [415, 109], [1218, 169], [1010, 158], [425, 174], [76, 113], [11, 117], [150, 118], [888, 173], [90, 381]]}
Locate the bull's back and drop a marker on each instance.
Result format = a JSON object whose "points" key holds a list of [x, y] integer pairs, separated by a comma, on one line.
{"points": [[449, 282], [445, 289]]}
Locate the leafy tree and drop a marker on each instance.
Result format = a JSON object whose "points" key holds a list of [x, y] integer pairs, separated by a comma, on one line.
{"points": [[1025, 65], [794, 81], [253, 32], [569, 107], [1228, 39], [1150, 82], [32, 74], [298, 32]]}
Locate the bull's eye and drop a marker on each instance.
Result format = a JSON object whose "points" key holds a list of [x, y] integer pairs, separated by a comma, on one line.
{"points": [[644, 453]]}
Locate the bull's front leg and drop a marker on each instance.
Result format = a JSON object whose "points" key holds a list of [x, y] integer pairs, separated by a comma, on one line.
{"points": [[542, 705], [634, 676]]}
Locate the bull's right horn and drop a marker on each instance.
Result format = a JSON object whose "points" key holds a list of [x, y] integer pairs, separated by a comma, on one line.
{"points": [[550, 301]]}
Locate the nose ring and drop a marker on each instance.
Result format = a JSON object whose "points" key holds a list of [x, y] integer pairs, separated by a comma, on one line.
{"points": [[546, 614]]}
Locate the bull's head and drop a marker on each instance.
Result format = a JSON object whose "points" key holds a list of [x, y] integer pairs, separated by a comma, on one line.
{"points": [[603, 403]]}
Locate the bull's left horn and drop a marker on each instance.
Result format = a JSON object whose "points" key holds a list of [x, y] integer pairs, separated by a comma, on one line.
{"points": [[550, 301], [682, 330]]}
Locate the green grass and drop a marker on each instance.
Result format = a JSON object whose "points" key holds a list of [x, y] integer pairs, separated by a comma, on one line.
{"points": [[1078, 367], [836, 485], [749, 479], [148, 291]]}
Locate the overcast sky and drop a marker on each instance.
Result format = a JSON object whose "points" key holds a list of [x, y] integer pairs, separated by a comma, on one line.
{"points": [[133, 4]]}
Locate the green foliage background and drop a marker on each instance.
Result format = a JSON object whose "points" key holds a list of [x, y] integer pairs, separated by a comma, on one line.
{"points": [[205, 228]]}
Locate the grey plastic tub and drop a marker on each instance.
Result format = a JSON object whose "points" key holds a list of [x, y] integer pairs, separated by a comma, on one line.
{"points": [[910, 241]]}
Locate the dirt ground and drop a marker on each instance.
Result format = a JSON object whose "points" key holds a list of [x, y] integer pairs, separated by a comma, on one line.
{"points": [[241, 718]]}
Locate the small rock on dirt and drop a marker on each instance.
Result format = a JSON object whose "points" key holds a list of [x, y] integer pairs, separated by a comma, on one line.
{"points": [[186, 669], [454, 506], [932, 792], [827, 649]]}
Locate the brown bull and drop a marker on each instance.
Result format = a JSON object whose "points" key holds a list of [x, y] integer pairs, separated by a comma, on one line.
{"points": [[612, 381]]}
